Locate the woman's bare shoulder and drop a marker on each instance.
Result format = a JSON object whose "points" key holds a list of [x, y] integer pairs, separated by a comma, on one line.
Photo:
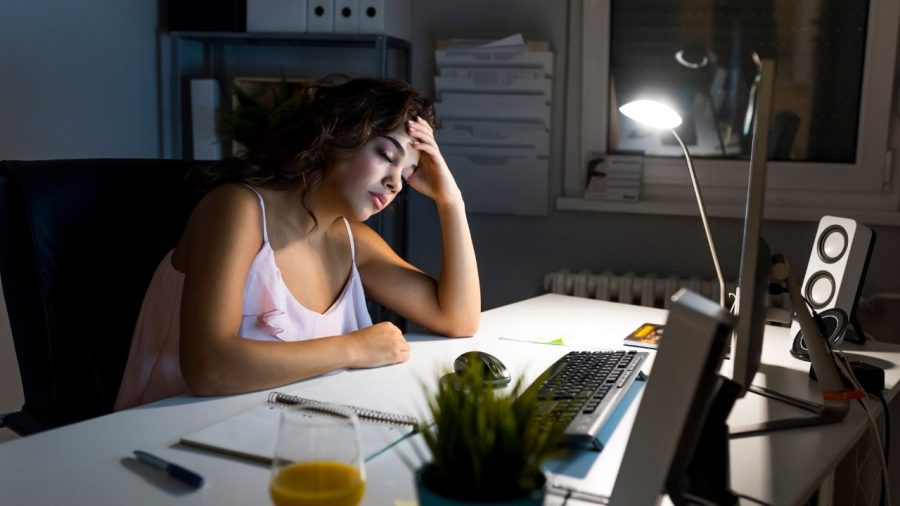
{"points": [[226, 206], [369, 244], [226, 216]]}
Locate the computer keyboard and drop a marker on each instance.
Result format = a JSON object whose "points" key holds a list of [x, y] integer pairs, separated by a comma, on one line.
{"points": [[582, 389]]}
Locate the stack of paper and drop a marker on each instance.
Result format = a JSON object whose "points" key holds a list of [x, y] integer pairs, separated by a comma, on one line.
{"points": [[494, 101]]}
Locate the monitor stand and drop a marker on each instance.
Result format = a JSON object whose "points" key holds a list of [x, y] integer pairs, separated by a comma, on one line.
{"points": [[836, 395], [703, 469]]}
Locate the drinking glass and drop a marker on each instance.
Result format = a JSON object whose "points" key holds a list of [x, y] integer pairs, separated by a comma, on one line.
{"points": [[318, 458]]}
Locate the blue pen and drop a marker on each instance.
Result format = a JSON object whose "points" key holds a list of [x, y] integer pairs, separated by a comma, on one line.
{"points": [[174, 470]]}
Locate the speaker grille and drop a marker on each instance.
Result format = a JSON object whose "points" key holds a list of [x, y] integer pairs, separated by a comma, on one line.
{"points": [[832, 244], [820, 289]]}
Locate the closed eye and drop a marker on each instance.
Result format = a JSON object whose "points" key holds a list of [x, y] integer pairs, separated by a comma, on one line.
{"points": [[386, 156]]}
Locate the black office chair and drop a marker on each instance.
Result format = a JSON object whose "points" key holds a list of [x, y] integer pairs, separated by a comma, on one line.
{"points": [[79, 242]]}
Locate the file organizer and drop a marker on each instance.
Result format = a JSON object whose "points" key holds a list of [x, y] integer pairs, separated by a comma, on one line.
{"points": [[320, 16], [495, 107], [388, 17], [346, 16]]}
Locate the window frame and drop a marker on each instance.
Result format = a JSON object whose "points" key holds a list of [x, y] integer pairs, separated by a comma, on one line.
{"points": [[795, 190]]}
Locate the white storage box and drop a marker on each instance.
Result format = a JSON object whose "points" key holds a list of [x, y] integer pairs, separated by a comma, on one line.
{"points": [[494, 82], [494, 133], [346, 16], [501, 184], [388, 17], [493, 73], [523, 108], [320, 16], [530, 59]]}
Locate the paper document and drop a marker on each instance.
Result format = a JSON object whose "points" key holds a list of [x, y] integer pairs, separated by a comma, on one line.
{"points": [[512, 44], [251, 434]]}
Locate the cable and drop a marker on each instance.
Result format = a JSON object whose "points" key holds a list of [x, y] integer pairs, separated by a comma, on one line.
{"points": [[886, 484], [887, 428], [847, 371], [887, 439], [874, 448]]}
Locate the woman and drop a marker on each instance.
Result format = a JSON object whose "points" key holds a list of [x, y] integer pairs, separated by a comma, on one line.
{"points": [[265, 286]]}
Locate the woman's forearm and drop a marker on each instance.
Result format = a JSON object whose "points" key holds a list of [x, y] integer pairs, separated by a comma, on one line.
{"points": [[232, 365], [238, 365], [459, 290]]}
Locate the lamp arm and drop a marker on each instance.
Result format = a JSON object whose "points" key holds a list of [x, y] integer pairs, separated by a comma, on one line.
{"points": [[702, 207]]}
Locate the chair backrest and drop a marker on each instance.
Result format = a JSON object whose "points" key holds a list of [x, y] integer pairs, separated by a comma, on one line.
{"points": [[79, 242]]}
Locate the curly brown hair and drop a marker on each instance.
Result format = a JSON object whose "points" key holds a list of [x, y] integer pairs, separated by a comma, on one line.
{"points": [[335, 117]]}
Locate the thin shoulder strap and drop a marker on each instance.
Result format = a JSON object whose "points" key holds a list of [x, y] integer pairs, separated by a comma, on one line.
{"points": [[262, 207], [352, 246]]}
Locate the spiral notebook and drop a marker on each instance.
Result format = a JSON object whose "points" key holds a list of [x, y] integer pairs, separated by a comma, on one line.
{"points": [[251, 434]]}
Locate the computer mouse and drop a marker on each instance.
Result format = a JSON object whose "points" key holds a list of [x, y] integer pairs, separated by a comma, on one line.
{"points": [[495, 373]]}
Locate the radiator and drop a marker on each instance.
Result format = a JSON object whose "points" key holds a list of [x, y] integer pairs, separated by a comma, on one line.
{"points": [[647, 290]]}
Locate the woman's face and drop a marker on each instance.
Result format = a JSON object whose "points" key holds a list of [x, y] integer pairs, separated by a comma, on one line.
{"points": [[369, 180]]}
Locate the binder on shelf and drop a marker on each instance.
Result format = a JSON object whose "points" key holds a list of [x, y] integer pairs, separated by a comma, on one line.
{"points": [[320, 16], [205, 141], [276, 16], [346, 16], [388, 17]]}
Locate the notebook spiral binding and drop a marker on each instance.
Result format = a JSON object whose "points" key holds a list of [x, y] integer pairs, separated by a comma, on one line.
{"points": [[282, 399]]}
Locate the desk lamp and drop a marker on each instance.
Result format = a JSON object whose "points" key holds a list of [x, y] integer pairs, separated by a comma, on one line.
{"points": [[658, 115]]}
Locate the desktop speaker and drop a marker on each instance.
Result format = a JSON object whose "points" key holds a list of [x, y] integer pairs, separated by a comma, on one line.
{"points": [[832, 324], [836, 272]]}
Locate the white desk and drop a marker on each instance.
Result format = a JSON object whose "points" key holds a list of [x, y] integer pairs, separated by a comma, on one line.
{"points": [[90, 462]]}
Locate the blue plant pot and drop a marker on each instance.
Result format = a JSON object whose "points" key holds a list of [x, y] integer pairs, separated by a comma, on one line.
{"points": [[428, 497]]}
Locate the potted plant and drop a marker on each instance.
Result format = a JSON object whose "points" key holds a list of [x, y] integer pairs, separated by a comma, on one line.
{"points": [[258, 104], [487, 446]]}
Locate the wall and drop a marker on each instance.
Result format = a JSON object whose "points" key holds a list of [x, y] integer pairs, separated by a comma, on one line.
{"points": [[79, 80], [514, 252]]}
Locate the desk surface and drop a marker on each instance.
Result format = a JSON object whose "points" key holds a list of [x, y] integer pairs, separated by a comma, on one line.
{"points": [[90, 462]]}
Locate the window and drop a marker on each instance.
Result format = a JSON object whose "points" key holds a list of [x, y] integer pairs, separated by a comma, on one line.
{"points": [[828, 138]]}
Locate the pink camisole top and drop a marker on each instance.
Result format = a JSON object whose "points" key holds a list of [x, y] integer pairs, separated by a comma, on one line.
{"points": [[270, 313]]}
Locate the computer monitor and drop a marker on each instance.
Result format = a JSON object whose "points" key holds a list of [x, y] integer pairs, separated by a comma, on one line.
{"points": [[756, 259], [683, 392], [758, 266]]}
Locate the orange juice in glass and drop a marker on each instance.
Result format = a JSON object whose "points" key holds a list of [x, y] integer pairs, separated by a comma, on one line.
{"points": [[318, 459]]}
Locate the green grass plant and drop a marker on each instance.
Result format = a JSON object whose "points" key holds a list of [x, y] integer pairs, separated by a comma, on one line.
{"points": [[486, 444]]}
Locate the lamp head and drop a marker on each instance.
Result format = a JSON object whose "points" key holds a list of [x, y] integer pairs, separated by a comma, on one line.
{"points": [[651, 113]]}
